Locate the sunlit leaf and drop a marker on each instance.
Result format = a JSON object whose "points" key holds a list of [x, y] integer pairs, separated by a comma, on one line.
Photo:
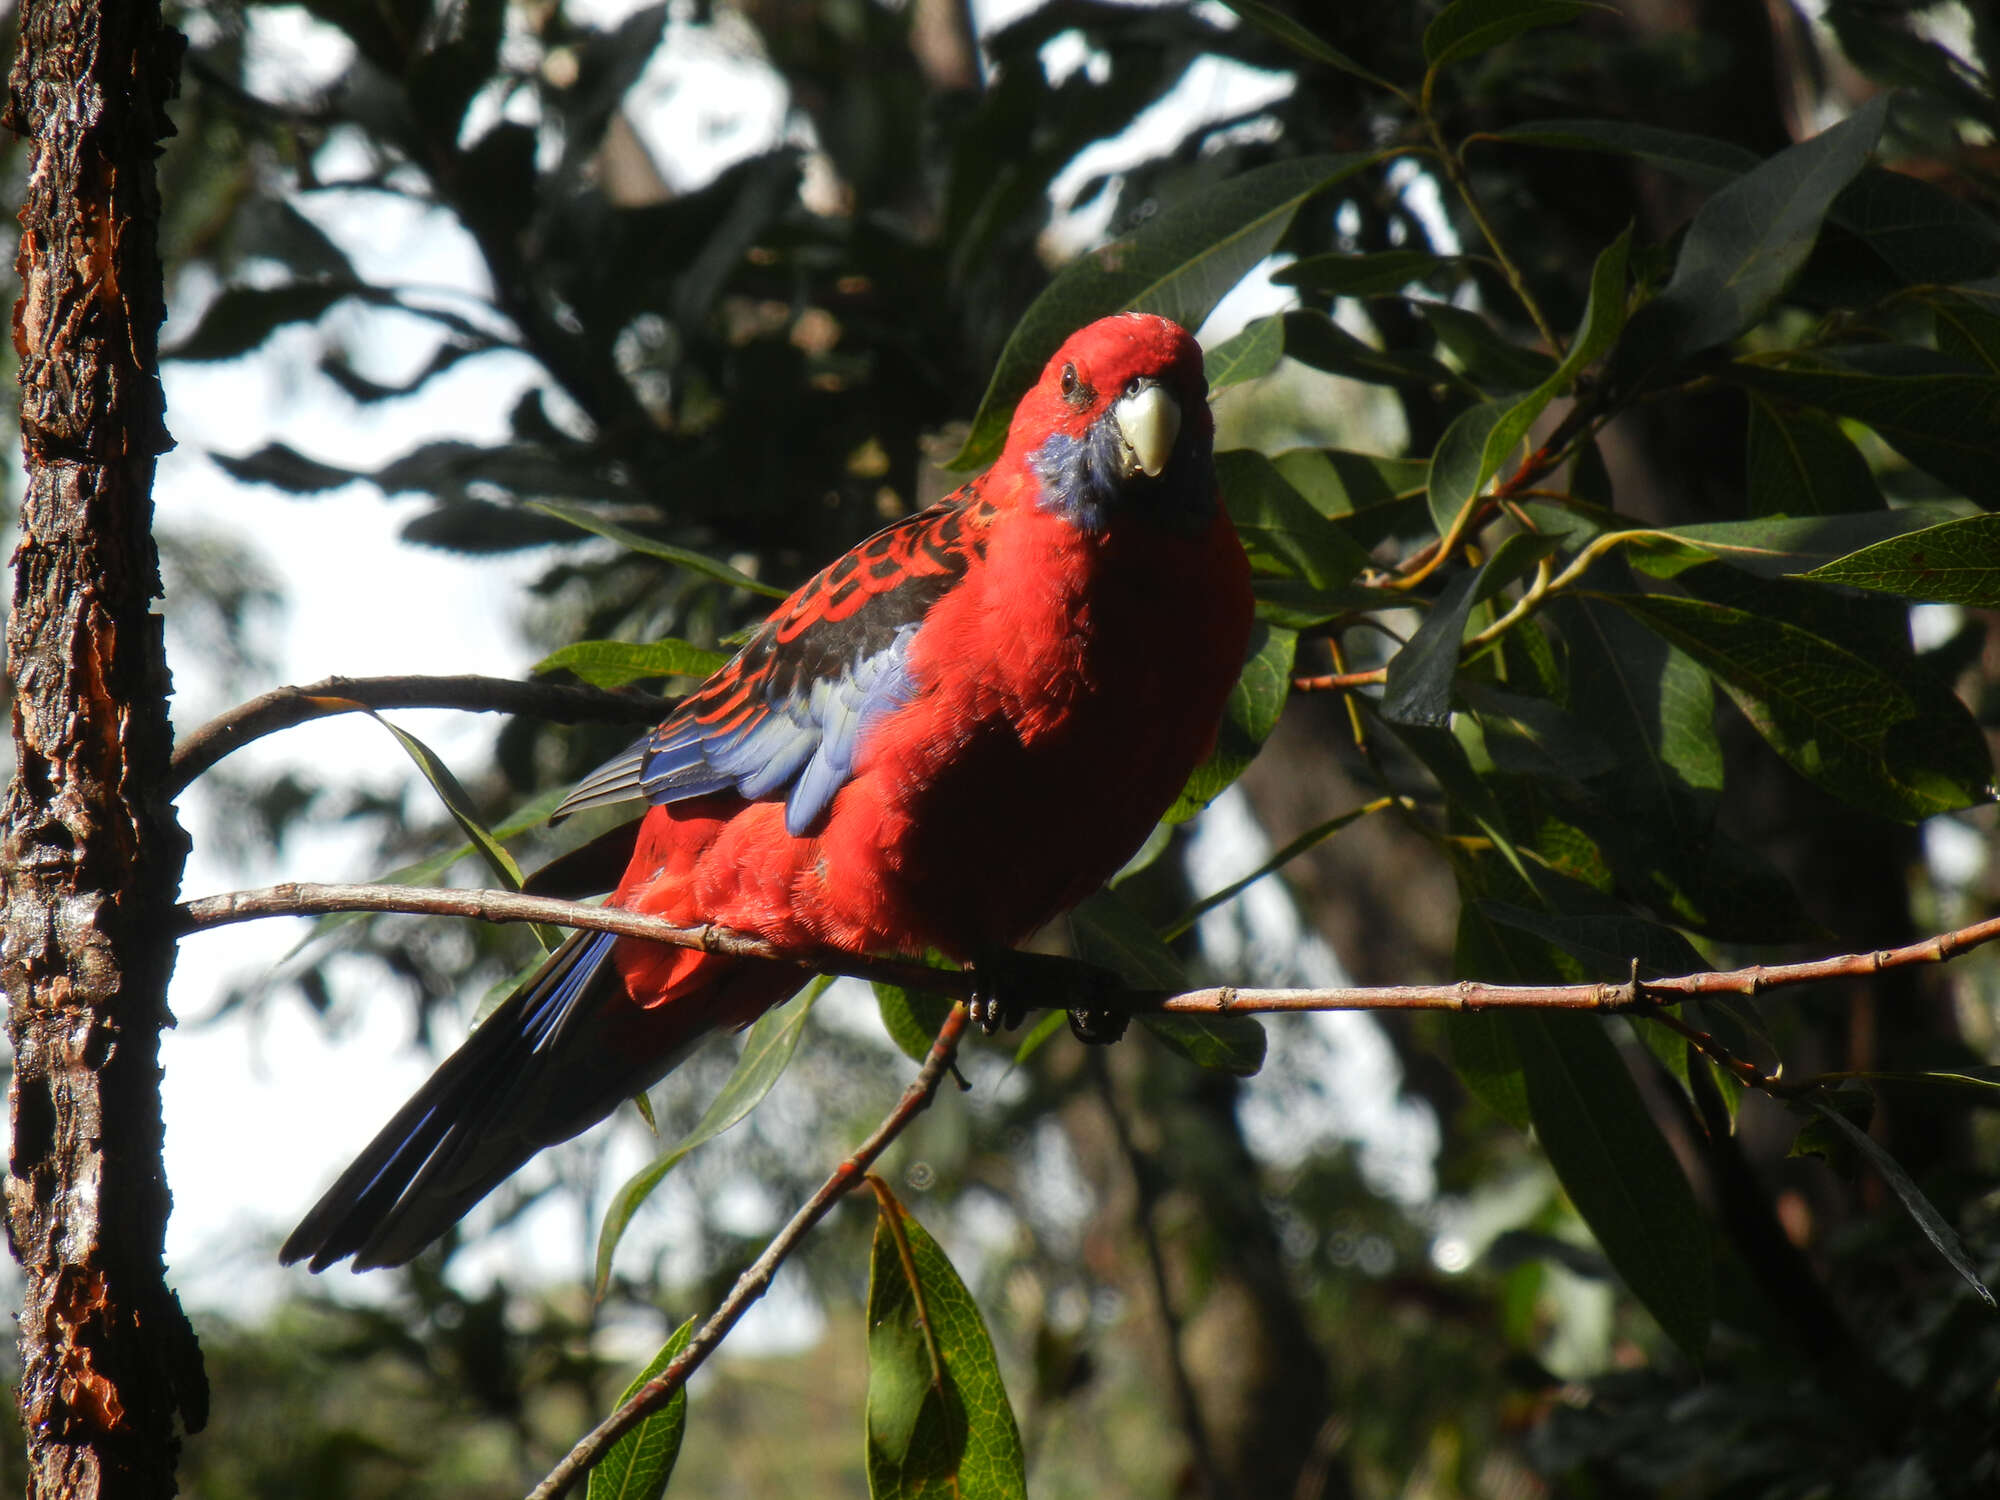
{"points": [[694, 562], [767, 1052], [939, 1423], [612, 664], [1955, 563], [640, 1463]]}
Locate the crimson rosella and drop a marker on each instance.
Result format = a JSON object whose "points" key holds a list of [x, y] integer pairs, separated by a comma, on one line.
{"points": [[942, 741]]}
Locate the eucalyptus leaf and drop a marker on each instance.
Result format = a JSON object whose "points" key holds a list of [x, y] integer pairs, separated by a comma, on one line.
{"points": [[639, 1464]]}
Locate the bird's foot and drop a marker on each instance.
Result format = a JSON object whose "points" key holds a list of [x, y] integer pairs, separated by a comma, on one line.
{"points": [[1008, 983]]}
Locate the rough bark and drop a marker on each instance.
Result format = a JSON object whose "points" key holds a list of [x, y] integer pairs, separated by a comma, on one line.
{"points": [[90, 850]]}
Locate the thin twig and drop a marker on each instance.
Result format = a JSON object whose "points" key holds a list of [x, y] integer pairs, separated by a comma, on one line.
{"points": [[751, 1285], [285, 707], [1633, 994], [1156, 1261], [1336, 682]]}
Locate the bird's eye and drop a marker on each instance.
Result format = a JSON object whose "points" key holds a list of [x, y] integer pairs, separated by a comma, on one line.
{"points": [[1069, 380], [1134, 386]]}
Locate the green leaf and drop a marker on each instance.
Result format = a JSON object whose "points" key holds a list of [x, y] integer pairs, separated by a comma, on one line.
{"points": [[1249, 355], [1382, 274], [1604, 944], [1277, 24], [1312, 837], [1802, 464], [612, 664], [1459, 467], [458, 802], [1259, 697], [1920, 1208], [1038, 1034], [639, 1464], [1482, 1047], [1107, 931], [1526, 735], [1779, 546], [1840, 720], [1955, 563], [1940, 415], [1494, 362], [694, 562], [1967, 329], [1469, 27], [1700, 159], [1746, 244], [1179, 266], [767, 1052], [939, 1425], [1312, 338], [911, 1017], [1278, 526], [1617, 1169]]}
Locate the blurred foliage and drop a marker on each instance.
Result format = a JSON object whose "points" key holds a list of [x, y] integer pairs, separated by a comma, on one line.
{"points": [[1597, 342]]}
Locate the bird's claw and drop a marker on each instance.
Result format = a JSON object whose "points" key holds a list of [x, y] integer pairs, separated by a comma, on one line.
{"points": [[1003, 981]]}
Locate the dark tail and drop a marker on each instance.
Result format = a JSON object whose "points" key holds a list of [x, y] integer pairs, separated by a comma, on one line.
{"points": [[553, 1060]]}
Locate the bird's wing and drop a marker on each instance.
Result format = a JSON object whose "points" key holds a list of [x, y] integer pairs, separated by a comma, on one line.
{"points": [[786, 714]]}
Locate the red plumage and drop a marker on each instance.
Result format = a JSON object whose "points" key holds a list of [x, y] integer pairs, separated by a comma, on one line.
{"points": [[944, 740]]}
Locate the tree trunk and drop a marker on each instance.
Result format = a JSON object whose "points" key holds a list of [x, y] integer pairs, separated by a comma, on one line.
{"points": [[89, 847]]}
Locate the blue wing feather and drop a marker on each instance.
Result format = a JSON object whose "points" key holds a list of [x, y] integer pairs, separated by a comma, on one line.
{"points": [[787, 715]]}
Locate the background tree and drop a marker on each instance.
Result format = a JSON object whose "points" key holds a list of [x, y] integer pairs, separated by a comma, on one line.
{"points": [[1597, 345]]}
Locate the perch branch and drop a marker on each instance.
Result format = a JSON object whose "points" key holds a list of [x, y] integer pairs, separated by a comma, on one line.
{"points": [[1630, 995]]}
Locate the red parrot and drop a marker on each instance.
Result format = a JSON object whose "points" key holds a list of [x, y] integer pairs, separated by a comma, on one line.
{"points": [[944, 740]]}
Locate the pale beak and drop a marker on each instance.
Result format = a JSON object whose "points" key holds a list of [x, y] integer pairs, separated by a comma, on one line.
{"points": [[1148, 422]]}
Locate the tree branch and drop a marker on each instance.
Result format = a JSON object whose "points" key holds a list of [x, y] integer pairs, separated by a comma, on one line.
{"points": [[1632, 995], [752, 1284], [285, 707]]}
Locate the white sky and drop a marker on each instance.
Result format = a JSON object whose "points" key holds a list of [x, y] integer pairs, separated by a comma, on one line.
{"points": [[259, 1119]]}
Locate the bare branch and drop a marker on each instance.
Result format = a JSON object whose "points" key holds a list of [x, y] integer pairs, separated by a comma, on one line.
{"points": [[751, 1285], [1634, 994], [284, 707]]}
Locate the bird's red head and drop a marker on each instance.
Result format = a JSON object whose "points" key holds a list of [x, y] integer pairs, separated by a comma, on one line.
{"points": [[1119, 424]]}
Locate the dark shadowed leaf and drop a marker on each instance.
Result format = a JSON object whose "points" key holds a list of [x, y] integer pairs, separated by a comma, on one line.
{"points": [[612, 664], [1418, 690], [1841, 721], [1382, 274], [1746, 244], [767, 1052], [1469, 27], [1494, 362], [1277, 24], [1955, 563], [1106, 931], [1617, 1169], [1935, 1228], [1179, 266], [242, 317], [285, 468], [1941, 415], [939, 1424], [1313, 338], [1802, 464], [639, 1464]]}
